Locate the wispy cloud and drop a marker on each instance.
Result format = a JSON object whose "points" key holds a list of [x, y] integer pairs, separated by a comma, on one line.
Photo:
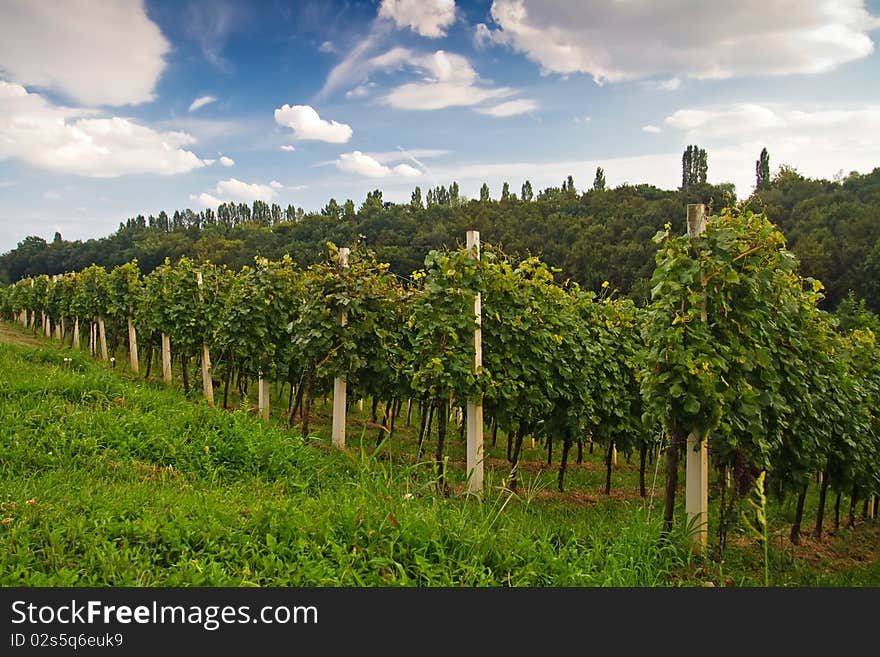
{"points": [[201, 101], [510, 108], [210, 24]]}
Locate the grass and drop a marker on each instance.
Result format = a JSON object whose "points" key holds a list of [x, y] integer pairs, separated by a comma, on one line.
{"points": [[107, 480]]}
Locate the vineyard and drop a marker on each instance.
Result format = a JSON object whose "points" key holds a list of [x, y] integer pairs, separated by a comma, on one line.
{"points": [[732, 359]]}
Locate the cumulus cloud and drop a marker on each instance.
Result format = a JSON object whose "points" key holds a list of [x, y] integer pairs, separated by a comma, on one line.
{"points": [[364, 165], [276, 185], [288, 147], [201, 101], [306, 124], [510, 108], [69, 140], [206, 200], [614, 41], [653, 129], [429, 18], [227, 161], [234, 190], [96, 53]]}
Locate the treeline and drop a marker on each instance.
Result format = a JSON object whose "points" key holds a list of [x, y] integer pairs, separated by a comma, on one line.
{"points": [[589, 236]]}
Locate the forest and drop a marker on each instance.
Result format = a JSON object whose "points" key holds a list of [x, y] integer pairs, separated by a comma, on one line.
{"points": [[588, 236]]}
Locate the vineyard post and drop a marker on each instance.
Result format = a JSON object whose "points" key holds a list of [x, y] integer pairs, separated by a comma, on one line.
{"points": [[263, 395], [474, 406], [697, 479], [339, 382], [75, 344], [207, 383], [58, 334], [46, 331], [132, 346], [33, 312], [166, 359], [102, 337]]}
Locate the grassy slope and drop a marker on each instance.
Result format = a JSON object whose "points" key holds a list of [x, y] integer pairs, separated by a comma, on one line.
{"points": [[106, 480]]}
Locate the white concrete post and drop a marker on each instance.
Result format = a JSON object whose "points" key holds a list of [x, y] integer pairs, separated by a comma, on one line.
{"points": [[76, 333], [475, 407], [697, 480], [102, 336], [339, 383], [132, 346], [263, 396], [207, 381], [166, 359]]}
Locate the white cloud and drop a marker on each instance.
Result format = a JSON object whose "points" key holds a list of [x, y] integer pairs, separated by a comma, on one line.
{"points": [[406, 171], [448, 80], [288, 147], [482, 36], [97, 53], [614, 41], [236, 190], [819, 141], [653, 129], [440, 95], [206, 200], [357, 65], [445, 79], [361, 91], [672, 84], [201, 101], [68, 140], [327, 46], [364, 165], [306, 124], [583, 119], [733, 120], [510, 108], [385, 157], [276, 185], [210, 24], [430, 18], [227, 161]]}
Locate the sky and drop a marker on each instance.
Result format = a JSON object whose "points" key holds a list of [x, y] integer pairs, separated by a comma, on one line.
{"points": [[114, 108]]}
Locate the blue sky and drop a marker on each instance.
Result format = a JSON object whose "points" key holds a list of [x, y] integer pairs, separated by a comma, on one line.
{"points": [[116, 108]]}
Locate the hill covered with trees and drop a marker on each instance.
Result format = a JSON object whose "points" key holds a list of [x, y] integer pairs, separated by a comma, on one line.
{"points": [[590, 236]]}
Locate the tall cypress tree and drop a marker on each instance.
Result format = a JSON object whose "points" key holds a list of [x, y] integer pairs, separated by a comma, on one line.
{"points": [[599, 180], [762, 170]]}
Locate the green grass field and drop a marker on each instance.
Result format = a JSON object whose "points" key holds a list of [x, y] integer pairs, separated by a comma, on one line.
{"points": [[108, 480]]}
